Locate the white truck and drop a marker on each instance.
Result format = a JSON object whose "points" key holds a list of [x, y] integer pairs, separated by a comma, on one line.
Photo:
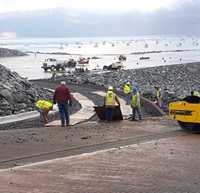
{"points": [[54, 64]]}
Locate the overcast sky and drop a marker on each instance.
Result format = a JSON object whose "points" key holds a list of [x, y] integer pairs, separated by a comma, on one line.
{"points": [[124, 18], [119, 6]]}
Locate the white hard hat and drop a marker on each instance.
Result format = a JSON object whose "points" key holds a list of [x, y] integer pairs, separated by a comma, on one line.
{"points": [[110, 88], [63, 82], [128, 83]]}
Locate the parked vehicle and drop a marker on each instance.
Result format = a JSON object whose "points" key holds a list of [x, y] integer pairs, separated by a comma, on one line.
{"points": [[54, 64], [114, 66], [81, 68], [71, 63], [58, 64], [83, 61]]}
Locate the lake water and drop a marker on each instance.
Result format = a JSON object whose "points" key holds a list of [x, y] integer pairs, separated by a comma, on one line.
{"points": [[162, 50]]}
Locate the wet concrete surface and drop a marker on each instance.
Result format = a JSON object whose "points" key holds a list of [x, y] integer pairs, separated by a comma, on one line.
{"points": [[152, 156]]}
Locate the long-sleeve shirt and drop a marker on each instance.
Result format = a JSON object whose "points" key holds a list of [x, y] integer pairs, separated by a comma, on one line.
{"points": [[62, 95]]}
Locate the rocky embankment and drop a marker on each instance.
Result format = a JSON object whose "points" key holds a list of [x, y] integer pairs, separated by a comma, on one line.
{"points": [[17, 94], [176, 81], [11, 53]]}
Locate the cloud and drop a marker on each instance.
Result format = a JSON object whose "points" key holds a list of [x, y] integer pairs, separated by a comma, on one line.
{"points": [[180, 19], [108, 6], [8, 35]]}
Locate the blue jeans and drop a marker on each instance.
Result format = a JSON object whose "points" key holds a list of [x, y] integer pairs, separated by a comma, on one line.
{"points": [[109, 113], [159, 102], [64, 114], [138, 112], [127, 99], [41, 114]]}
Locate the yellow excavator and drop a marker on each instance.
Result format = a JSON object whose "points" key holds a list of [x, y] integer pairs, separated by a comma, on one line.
{"points": [[187, 113]]}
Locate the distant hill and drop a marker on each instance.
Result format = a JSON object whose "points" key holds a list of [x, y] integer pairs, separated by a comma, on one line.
{"points": [[62, 22]]}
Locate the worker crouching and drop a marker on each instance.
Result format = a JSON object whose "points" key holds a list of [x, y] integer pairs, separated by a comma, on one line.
{"points": [[109, 102], [43, 107]]}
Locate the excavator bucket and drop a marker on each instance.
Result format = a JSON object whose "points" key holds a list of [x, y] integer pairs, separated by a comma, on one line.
{"points": [[187, 113], [101, 113]]}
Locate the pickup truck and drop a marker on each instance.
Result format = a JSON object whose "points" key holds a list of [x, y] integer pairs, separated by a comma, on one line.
{"points": [[54, 64]]}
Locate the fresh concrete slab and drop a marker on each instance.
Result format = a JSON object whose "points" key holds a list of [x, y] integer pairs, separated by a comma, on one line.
{"points": [[85, 113]]}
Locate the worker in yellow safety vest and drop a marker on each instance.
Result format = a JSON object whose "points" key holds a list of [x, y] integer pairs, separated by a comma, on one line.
{"points": [[109, 102], [158, 95], [135, 105], [127, 91], [43, 107]]}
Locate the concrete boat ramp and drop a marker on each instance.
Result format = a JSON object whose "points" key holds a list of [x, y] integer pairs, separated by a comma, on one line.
{"points": [[86, 112]]}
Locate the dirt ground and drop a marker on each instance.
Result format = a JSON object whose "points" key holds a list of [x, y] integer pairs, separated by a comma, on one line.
{"points": [[154, 155], [124, 156], [20, 143]]}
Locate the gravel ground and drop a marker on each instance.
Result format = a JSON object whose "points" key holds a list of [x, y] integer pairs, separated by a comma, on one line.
{"points": [[86, 90]]}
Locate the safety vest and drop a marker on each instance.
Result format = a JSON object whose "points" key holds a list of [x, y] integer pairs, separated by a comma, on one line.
{"points": [[127, 89], [196, 93], [158, 93], [43, 104], [110, 98], [134, 101]]}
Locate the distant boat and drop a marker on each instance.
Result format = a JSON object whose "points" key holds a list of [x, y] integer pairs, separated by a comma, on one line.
{"points": [[144, 58], [83, 61]]}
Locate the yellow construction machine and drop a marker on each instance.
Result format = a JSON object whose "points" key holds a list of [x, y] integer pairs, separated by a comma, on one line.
{"points": [[187, 113]]}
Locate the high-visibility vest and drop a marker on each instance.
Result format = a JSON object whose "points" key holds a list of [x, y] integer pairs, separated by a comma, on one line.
{"points": [[158, 93], [134, 101], [127, 89], [196, 93], [110, 99], [43, 104]]}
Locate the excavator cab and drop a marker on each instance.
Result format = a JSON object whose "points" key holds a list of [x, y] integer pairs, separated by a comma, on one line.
{"points": [[187, 113]]}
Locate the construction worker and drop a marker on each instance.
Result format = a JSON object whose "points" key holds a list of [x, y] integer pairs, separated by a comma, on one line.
{"points": [[158, 95], [127, 91], [135, 105], [109, 102], [195, 93], [43, 107], [62, 96]]}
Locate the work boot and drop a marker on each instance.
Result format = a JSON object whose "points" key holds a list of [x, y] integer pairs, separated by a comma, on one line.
{"points": [[134, 120]]}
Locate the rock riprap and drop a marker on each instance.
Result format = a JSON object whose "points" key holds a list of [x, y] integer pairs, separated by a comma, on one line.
{"points": [[4, 52], [176, 81], [17, 94]]}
